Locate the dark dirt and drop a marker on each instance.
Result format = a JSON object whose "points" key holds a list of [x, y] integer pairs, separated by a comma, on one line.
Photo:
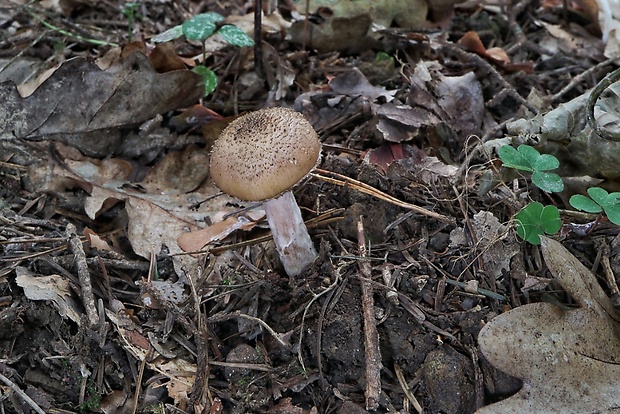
{"points": [[314, 361]]}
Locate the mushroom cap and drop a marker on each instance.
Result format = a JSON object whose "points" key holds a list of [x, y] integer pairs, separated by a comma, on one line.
{"points": [[264, 153]]}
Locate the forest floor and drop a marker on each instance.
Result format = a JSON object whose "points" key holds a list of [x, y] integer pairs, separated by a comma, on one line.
{"points": [[104, 168]]}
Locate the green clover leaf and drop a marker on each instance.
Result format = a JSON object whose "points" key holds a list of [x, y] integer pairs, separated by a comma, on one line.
{"points": [[527, 158], [536, 220], [170, 34], [201, 26], [235, 36], [599, 200], [209, 78]]}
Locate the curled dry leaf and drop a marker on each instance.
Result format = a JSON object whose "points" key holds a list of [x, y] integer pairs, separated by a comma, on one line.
{"points": [[159, 208], [53, 288], [568, 359], [471, 42]]}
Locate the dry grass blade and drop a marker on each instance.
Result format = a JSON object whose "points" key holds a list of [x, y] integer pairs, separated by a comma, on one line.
{"points": [[344, 181]]}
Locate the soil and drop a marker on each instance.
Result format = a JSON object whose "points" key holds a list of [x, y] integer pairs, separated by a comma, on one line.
{"points": [[312, 357]]}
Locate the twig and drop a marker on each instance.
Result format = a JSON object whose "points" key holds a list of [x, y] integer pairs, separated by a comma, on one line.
{"points": [[258, 39], [283, 339], [403, 385], [371, 336], [345, 181], [21, 394], [478, 377], [594, 95], [255, 367], [88, 298], [136, 395], [303, 318], [574, 81], [507, 87], [607, 269]]}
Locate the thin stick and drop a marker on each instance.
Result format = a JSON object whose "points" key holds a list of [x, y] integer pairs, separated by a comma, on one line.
{"points": [[371, 336], [283, 339], [580, 77], [403, 385], [345, 181], [258, 38], [88, 298], [21, 394]]}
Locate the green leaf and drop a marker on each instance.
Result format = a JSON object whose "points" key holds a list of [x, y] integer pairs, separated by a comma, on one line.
{"points": [[612, 199], [235, 36], [170, 34], [613, 214], [599, 195], [549, 182], [201, 26], [513, 158], [535, 220], [610, 203], [209, 78], [583, 203], [545, 162], [528, 158]]}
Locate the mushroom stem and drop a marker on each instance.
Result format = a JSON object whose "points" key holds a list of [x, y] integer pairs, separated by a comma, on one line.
{"points": [[290, 234]]}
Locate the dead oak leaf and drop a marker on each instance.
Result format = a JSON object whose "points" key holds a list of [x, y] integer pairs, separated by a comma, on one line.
{"points": [[568, 359]]}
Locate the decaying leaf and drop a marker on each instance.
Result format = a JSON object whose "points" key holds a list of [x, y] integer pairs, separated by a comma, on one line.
{"points": [[496, 250], [167, 203], [564, 133], [471, 42], [569, 359], [349, 25], [83, 106], [179, 372], [53, 288], [354, 83]]}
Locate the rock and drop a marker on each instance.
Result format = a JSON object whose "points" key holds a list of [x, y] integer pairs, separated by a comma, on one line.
{"points": [[447, 376]]}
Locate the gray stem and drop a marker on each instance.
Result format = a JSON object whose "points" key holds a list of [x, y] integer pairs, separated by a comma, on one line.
{"points": [[290, 234]]}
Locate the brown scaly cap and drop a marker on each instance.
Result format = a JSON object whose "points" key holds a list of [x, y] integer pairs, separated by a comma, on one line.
{"points": [[264, 153]]}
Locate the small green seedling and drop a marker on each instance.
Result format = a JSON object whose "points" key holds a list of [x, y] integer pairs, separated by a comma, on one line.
{"points": [[600, 200], [200, 28], [130, 10], [527, 158], [535, 220]]}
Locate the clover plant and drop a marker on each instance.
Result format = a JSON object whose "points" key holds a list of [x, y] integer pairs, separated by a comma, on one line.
{"points": [[200, 28], [535, 219], [527, 158], [599, 200]]}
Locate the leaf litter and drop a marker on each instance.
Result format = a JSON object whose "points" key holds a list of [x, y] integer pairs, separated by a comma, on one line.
{"points": [[113, 151]]}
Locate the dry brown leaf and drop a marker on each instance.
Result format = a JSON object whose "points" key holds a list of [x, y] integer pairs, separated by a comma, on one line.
{"points": [[574, 41], [84, 106], [350, 26], [165, 59], [53, 288], [158, 209], [196, 240], [568, 359], [95, 241], [354, 83], [471, 42]]}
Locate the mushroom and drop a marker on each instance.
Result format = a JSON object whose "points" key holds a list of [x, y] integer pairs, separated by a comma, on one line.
{"points": [[261, 156]]}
